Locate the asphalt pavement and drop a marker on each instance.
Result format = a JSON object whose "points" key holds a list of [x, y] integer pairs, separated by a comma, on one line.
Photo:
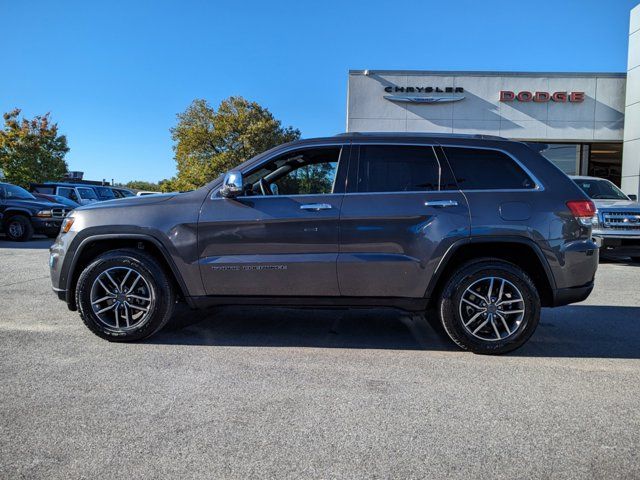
{"points": [[277, 393]]}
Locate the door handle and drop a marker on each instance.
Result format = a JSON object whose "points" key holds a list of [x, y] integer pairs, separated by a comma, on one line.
{"points": [[441, 203], [315, 206]]}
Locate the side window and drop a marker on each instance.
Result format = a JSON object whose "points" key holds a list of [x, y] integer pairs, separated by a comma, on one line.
{"points": [[45, 190], [397, 168], [68, 193], [302, 172], [480, 169], [87, 194]]}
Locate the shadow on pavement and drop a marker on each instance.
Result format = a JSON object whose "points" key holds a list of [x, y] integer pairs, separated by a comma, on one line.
{"points": [[573, 331], [35, 243]]}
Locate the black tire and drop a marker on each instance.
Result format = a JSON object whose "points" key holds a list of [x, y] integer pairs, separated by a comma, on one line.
{"points": [[635, 259], [451, 305], [18, 228], [162, 292]]}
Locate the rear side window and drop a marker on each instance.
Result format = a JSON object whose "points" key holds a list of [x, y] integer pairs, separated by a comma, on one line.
{"points": [[397, 168], [480, 169]]}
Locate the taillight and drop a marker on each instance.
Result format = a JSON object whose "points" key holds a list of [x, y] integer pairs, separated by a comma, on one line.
{"points": [[583, 210]]}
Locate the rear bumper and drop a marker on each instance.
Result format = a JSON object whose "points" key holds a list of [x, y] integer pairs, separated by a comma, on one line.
{"points": [[565, 296]]}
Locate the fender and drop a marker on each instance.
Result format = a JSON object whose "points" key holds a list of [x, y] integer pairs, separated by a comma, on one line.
{"points": [[69, 266], [450, 253], [11, 210]]}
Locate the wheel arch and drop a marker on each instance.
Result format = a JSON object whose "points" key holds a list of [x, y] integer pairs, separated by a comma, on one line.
{"points": [[92, 246], [511, 249]]}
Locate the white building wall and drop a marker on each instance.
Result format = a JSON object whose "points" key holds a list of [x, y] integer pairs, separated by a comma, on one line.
{"points": [[631, 149], [599, 117]]}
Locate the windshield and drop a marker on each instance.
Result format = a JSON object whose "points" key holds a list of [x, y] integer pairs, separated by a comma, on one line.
{"points": [[14, 192], [105, 193], [87, 194], [600, 189]]}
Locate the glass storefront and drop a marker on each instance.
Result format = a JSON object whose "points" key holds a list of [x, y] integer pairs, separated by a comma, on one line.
{"points": [[602, 160], [565, 156], [605, 161]]}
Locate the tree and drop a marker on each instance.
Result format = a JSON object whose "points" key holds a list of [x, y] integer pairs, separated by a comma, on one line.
{"points": [[143, 185], [31, 150], [207, 142]]}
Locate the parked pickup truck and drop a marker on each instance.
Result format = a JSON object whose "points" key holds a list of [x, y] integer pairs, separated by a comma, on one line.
{"points": [[616, 225], [22, 215]]}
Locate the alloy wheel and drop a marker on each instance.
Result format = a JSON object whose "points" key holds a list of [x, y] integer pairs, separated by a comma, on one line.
{"points": [[122, 299], [492, 309], [16, 230]]}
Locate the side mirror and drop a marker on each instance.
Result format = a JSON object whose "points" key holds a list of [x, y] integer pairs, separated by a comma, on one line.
{"points": [[633, 197], [232, 185]]}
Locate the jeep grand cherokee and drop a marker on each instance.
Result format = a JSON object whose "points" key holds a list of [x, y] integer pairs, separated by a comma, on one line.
{"points": [[484, 229]]}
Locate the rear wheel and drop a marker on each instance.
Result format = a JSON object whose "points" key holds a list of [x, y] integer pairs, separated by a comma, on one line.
{"points": [[490, 306], [18, 228], [125, 295]]}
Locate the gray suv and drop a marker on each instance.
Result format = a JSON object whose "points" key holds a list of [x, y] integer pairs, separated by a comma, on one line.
{"points": [[482, 229]]}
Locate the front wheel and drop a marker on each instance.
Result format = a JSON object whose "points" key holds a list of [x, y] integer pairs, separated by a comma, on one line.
{"points": [[635, 259], [18, 228], [125, 295], [489, 306]]}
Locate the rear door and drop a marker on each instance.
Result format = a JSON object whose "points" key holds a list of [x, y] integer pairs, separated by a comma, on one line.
{"points": [[401, 212], [281, 238]]}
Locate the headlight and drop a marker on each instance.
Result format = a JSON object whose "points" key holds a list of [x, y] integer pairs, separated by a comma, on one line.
{"points": [[44, 214], [66, 224], [594, 220]]}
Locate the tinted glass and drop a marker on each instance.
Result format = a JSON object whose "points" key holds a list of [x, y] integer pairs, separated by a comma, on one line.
{"points": [[105, 193], [87, 194], [600, 189], [397, 168], [479, 169], [47, 190], [68, 193], [14, 192]]}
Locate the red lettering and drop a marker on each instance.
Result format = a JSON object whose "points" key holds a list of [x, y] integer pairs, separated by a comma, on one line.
{"points": [[576, 97], [559, 97], [507, 96], [541, 97], [524, 96]]}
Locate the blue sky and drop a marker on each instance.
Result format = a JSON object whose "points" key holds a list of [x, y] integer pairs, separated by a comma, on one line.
{"points": [[114, 74]]}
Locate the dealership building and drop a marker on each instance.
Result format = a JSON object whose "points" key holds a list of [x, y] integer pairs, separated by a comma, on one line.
{"points": [[585, 123]]}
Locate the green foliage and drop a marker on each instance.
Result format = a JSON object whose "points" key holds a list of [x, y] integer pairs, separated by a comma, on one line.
{"points": [[31, 150], [143, 185], [309, 179], [207, 142]]}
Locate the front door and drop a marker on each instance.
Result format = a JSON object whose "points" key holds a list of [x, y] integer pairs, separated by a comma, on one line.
{"points": [[281, 237], [401, 212]]}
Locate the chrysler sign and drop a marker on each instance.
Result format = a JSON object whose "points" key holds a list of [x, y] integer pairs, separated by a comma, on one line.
{"points": [[451, 94], [541, 97]]}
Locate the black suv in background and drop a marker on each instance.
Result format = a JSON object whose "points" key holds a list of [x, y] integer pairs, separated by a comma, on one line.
{"points": [[22, 214], [483, 229]]}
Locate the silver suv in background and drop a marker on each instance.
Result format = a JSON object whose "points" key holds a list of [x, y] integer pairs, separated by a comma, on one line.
{"points": [[616, 225]]}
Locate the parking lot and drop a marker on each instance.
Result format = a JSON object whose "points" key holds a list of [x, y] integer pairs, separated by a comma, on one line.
{"points": [[276, 393]]}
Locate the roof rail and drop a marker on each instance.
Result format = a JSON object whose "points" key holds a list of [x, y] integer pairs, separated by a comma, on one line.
{"points": [[421, 134]]}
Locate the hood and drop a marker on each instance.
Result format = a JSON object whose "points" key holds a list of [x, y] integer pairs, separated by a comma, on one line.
{"points": [[616, 204], [129, 201], [37, 204]]}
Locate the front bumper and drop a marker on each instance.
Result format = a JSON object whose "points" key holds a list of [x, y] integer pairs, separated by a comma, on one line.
{"points": [[623, 245], [46, 225]]}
